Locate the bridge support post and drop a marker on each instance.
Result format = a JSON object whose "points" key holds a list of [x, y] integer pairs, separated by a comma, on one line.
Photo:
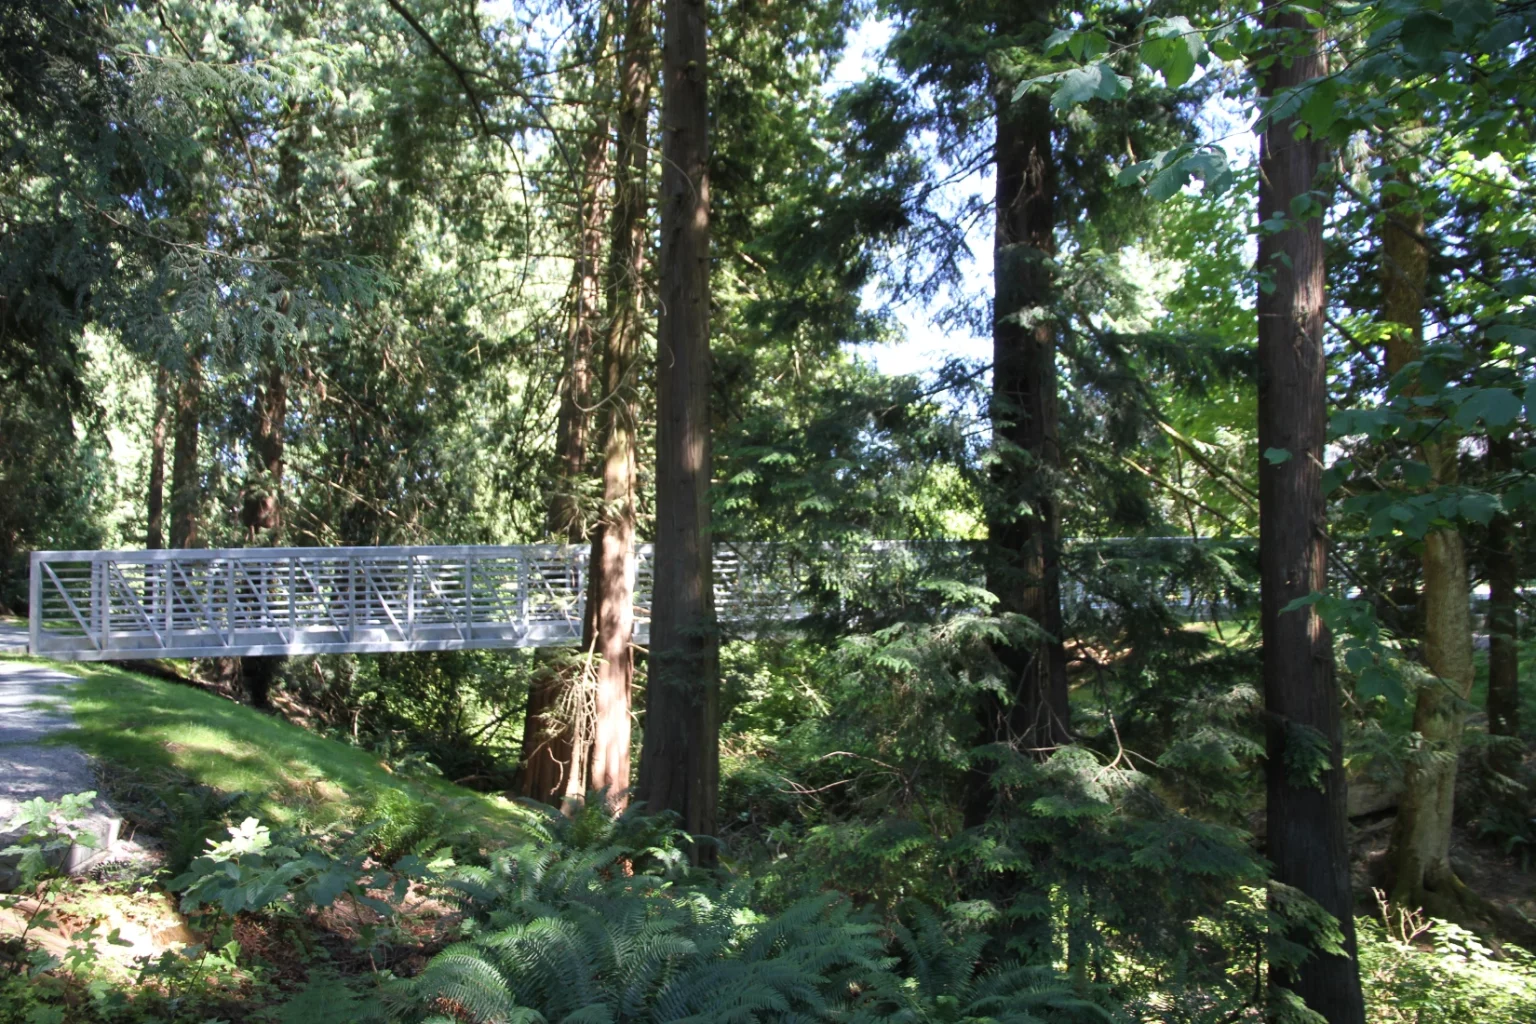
{"points": [[99, 606], [35, 604], [410, 596], [469, 597]]}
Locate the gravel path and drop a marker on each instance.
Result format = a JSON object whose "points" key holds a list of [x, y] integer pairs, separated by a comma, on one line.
{"points": [[13, 637], [32, 706]]}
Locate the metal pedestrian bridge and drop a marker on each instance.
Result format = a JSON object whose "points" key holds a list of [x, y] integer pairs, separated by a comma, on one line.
{"points": [[118, 605], [123, 605]]}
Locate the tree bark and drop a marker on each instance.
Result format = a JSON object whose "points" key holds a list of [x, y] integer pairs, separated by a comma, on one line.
{"points": [[572, 426], [1419, 857], [612, 572], [546, 740], [1024, 519], [1307, 841], [1503, 608], [186, 479], [679, 766], [154, 531], [262, 511], [556, 736]]}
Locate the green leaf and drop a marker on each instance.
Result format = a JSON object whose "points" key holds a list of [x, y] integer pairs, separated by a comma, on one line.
{"points": [[1496, 407], [1479, 507], [1209, 165], [1276, 456], [1470, 17], [1303, 602], [1415, 473], [1358, 660], [1088, 45], [1056, 42], [1349, 422], [1173, 47], [1096, 81], [328, 885], [1321, 108], [1132, 174], [1378, 682], [1424, 35]]}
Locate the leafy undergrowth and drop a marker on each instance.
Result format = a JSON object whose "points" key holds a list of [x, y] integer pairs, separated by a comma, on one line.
{"points": [[300, 882]]}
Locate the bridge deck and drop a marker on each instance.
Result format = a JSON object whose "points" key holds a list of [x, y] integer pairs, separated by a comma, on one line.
{"points": [[105, 605]]}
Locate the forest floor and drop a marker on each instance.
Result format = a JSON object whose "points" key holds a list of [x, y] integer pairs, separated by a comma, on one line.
{"points": [[1501, 878], [171, 756], [175, 761]]}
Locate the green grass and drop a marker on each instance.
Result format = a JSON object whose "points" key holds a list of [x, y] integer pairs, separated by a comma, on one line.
{"points": [[291, 776]]}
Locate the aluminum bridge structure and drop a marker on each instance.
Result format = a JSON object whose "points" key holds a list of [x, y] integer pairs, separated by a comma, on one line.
{"points": [[124, 605], [119, 605]]}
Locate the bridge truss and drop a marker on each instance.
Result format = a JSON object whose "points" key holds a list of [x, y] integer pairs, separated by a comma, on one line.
{"points": [[122, 605], [116, 605]]}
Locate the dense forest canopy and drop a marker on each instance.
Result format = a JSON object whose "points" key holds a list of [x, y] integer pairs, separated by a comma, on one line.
{"points": [[1171, 661]]}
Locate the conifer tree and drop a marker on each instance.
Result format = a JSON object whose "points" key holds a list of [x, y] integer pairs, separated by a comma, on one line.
{"points": [[611, 576], [1308, 842], [1024, 522], [557, 724], [680, 759]]}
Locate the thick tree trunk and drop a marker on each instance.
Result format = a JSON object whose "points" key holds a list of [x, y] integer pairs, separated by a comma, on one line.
{"points": [[556, 732], [154, 504], [1503, 608], [1307, 841], [186, 480], [262, 511], [1419, 858], [1420, 854], [680, 763], [1024, 570], [612, 572]]}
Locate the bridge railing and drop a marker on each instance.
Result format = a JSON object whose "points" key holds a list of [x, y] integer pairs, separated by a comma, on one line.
{"points": [[99, 605]]}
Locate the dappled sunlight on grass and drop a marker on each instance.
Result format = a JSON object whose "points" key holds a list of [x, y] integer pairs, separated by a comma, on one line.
{"points": [[293, 776]]}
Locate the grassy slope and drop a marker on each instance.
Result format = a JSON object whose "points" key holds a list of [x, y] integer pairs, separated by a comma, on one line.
{"points": [[292, 775]]}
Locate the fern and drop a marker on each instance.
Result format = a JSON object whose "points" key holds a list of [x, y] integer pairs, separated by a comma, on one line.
{"points": [[560, 930], [942, 976]]}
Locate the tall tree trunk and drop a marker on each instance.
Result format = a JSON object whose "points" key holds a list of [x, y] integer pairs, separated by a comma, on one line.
{"points": [[556, 735], [680, 761], [1024, 570], [573, 421], [1503, 608], [186, 480], [612, 572], [1308, 843], [154, 504], [262, 511], [1419, 857]]}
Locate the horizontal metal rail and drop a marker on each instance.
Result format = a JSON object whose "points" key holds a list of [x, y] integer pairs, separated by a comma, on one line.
{"points": [[118, 605]]}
